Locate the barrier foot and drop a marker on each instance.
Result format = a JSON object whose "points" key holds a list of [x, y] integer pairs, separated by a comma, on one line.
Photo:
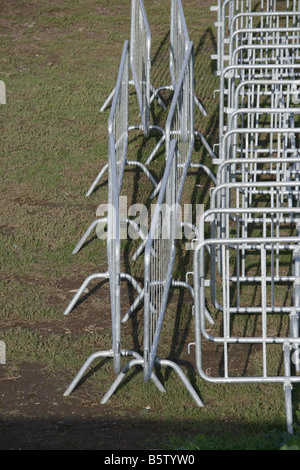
{"points": [[96, 181], [207, 171], [145, 170], [157, 146], [84, 368], [139, 250], [134, 306], [104, 220], [131, 82], [156, 190], [191, 390]]}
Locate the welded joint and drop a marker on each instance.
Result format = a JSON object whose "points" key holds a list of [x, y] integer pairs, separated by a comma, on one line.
{"points": [[287, 384]]}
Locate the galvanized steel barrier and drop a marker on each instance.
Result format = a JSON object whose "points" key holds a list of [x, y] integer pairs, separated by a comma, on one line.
{"points": [[158, 278], [140, 66], [116, 162], [180, 126], [179, 44], [253, 244], [140, 62]]}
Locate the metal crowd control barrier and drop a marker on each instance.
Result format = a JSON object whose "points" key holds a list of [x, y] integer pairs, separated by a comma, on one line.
{"points": [[116, 161], [255, 79], [261, 260], [158, 269], [269, 37], [225, 12], [140, 65], [179, 44], [230, 12], [180, 126], [282, 68], [140, 61], [2, 92], [253, 244], [261, 37], [180, 121], [246, 169], [118, 124], [114, 275], [266, 93], [243, 140]]}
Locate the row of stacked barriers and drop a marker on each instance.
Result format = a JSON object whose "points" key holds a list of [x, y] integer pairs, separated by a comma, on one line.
{"points": [[246, 250], [158, 246], [252, 249]]}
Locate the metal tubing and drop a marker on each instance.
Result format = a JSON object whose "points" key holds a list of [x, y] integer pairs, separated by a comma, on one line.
{"points": [[135, 362], [82, 288], [96, 181], [191, 390], [288, 388]]}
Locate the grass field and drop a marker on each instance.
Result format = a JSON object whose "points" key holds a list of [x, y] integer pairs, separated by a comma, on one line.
{"points": [[59, 60]]}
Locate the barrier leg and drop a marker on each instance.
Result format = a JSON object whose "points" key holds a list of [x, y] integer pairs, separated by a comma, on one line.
{"points": [[96, 181], [200, 106], [288, 388], [206, 144], [82, 288], [191, 390], [110, 97], [87, 234], [138, 361], [84, 368]]}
